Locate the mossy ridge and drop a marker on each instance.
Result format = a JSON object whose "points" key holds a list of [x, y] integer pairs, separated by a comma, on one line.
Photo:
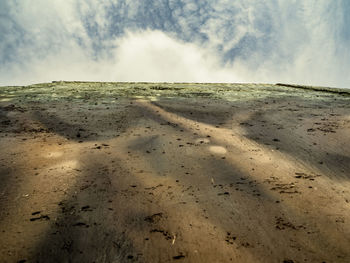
{"points": [[111, 91]]}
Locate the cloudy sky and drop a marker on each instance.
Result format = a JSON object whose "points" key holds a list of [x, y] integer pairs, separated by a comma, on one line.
{"points": [[292, 41]]}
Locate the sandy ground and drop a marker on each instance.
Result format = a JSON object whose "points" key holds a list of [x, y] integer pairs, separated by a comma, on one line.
{"points": [[163, 172]]}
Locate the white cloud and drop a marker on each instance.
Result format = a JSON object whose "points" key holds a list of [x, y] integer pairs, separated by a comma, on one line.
{"points": [[154, 56], [143, 56]]}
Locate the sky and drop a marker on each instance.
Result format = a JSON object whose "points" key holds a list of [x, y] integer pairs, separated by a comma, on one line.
{"points": [[264, 41]]}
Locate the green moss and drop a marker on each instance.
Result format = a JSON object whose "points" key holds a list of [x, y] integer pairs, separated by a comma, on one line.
{"points": [[111, 91]]}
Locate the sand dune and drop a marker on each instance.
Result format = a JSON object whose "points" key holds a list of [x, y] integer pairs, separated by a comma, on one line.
{"points": [[160, 172]]}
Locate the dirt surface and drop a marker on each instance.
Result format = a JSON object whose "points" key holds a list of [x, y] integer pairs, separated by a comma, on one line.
{"points": [[142, 172]]}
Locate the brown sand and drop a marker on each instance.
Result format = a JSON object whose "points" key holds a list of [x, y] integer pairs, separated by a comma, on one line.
{"points": [[165, 172]]}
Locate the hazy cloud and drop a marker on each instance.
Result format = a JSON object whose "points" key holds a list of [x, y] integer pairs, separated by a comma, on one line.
{"points": [[172, 40]]}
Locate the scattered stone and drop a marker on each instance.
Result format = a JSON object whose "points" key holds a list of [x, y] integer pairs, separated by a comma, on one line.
{"points": [[225, 193], [36, 213], [42, 217], [86, 208], [179, 257]]}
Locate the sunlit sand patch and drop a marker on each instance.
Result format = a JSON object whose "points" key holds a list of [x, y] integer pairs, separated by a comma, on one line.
{"points": [[72, 164], [53, 154], [202, 140], [69, 165], [217, 149]]}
